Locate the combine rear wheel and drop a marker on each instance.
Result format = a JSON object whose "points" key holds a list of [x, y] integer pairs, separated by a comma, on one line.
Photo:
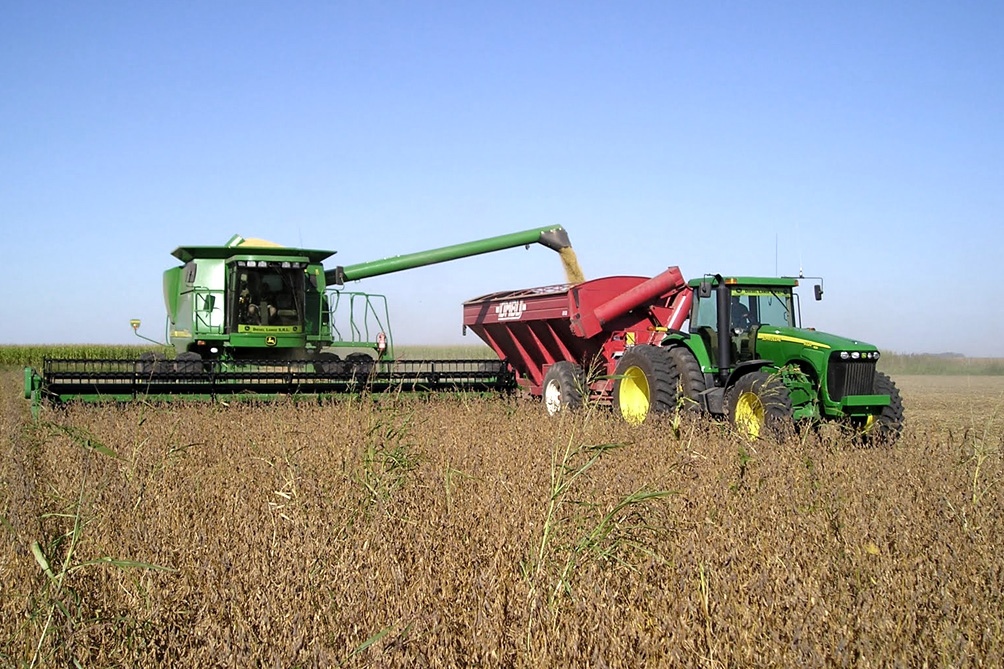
{"points": [[887, 426], [645, 383], [564, 384], [759, 404]]}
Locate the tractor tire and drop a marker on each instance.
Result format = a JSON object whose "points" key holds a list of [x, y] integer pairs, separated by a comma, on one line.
{"points": [[887, 426], [759, 405], [645, 383], [689, 379], [564, 384], [188, 362]]}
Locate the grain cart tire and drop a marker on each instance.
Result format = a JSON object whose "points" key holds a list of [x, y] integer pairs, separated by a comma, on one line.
{"points": [[563, 386], [645, 383], [188, 362], [690, 380], [887, 425], [759, 405]]}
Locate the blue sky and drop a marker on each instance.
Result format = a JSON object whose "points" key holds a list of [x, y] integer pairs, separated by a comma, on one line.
{"points": [[860, 141]]}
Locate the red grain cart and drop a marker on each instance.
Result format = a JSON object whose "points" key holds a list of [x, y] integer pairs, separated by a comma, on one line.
{"points": [[551, 336]]}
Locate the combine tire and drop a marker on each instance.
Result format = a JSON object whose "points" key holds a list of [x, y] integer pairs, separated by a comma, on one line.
{"points": [[359, 365], [645, 383], [563, 387], [152, 362], [759, 405], [328, 363], [887, 426], [689, 379], [188, 362]]}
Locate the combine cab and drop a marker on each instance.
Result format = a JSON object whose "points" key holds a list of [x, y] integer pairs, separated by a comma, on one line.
{"points": [[255, 319], [732, 347]]}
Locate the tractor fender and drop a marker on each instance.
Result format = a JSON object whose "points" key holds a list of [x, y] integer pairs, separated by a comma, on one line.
{"points": [[744, 368]]}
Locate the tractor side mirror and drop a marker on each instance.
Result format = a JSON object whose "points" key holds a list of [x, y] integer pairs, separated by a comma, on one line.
{"points": [[704, 289], [818, 290]]}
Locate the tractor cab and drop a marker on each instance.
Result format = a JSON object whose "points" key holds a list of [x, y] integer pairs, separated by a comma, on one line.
{"points": [[730, 311]]}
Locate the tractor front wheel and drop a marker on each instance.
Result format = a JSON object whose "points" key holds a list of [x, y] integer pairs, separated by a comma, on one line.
{"points": [[645, 383], [759, 404], [887, 425], [563, 387]]}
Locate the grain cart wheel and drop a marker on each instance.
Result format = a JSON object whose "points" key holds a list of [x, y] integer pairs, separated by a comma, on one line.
{"points": [[563, 387], [645, 383], [690, 381], [759, 404], [887, 426]]}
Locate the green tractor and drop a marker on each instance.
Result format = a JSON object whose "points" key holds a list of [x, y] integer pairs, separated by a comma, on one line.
{"points": [[746, 357]]}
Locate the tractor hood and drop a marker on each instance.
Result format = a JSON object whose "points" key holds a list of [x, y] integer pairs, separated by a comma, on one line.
{"points": [[811, 339]]}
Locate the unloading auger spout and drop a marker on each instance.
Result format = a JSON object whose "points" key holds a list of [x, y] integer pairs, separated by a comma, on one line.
{"points": [[553, 237]]}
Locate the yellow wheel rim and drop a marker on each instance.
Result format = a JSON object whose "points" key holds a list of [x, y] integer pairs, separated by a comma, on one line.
{"points": [[749, 414], [634, 397]]}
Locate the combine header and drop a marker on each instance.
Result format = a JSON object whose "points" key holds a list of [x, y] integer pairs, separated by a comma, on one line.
{"points": [[729, 346], [252, 318]]}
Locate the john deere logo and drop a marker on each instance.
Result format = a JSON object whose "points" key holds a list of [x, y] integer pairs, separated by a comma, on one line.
{"points": [[270, 341]]}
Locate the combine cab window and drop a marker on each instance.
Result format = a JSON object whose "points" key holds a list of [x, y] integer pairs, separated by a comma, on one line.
{"points": [[267, 296]]}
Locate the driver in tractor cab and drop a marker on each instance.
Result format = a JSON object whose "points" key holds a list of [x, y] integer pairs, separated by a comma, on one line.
{"points": [[739, 314]]}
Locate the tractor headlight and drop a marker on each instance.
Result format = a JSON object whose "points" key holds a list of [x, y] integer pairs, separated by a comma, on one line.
{"points": [[855, 355], [844, 355]]}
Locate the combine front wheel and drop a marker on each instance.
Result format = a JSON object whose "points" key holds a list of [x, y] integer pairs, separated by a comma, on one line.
{"points": [[758, 404], [188, 362], [645, 383], [563, 387]]}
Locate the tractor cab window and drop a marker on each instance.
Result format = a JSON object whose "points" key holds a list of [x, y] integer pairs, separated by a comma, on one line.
{"points": [[761, 306], [269, 296]]}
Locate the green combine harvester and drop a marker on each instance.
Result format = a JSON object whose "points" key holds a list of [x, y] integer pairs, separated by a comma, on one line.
{"points": [[255, 319]]}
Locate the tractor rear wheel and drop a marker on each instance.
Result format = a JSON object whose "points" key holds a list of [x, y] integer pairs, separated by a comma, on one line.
{"points": [[887, 425], [689, 379], [759, 404], [645, 383], [563, 387]]}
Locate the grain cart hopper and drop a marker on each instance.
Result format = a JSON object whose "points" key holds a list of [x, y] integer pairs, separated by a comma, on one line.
{"points": [[743, 355], [254, 317]]}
